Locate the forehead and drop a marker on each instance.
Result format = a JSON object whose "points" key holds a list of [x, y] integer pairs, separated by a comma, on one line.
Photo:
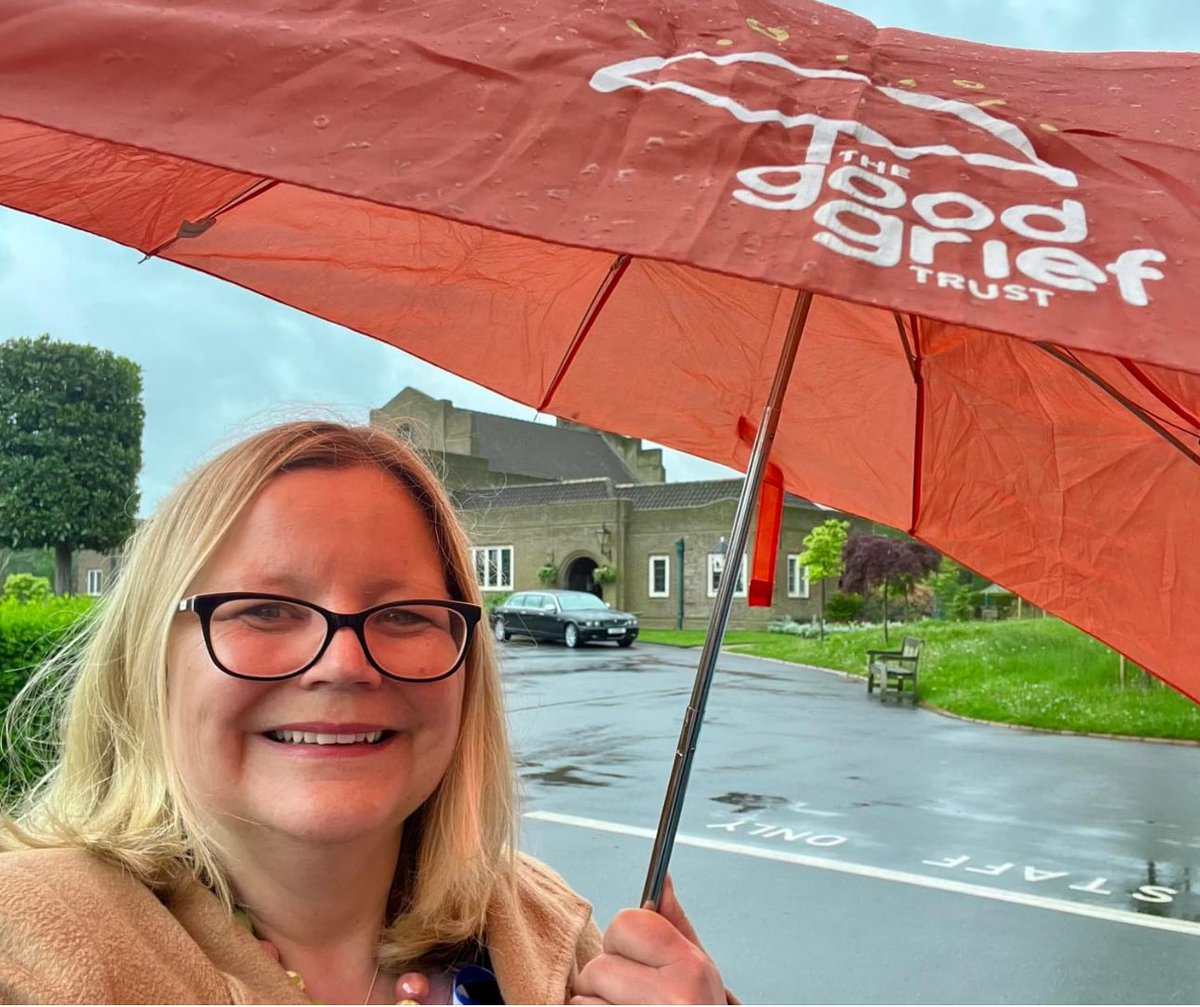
{"points": [[322, 529]]}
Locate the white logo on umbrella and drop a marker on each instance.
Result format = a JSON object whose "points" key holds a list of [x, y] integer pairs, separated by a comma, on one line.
{"points": [[860, 222], [825, 132]]}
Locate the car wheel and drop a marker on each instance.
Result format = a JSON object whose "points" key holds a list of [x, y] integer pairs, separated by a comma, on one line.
{"points": [[499, 630], [628, 642], [571, 635]]}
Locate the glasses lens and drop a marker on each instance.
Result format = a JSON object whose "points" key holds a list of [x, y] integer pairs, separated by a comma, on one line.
{"points": [[416, 641], [264, 638]]}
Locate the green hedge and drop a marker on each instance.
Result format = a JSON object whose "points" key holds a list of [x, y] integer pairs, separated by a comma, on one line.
{"points": [[28, 634]]}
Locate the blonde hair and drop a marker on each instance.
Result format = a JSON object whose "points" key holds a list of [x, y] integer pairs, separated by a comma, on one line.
{"points": [[115, 789]]}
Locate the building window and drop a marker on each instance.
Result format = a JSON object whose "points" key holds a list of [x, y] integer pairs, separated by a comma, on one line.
{"points": [[797, 576], [95, 583], [716, 563], [493, 567], [660, 574]]}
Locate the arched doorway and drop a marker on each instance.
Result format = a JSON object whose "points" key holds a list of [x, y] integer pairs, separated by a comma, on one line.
{"points": [[579, 576]]}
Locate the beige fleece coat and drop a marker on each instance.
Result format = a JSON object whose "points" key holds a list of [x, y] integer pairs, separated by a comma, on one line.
{"points": [[75, 929]]}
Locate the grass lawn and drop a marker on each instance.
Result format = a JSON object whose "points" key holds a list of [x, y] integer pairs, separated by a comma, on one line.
{"points": [[1037, 672]]}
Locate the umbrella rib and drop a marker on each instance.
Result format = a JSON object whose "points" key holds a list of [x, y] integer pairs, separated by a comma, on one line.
{"points": [[1059, 354], [1146, 382], [599, 299], [195, 228], [908, 353], [913, 354]]}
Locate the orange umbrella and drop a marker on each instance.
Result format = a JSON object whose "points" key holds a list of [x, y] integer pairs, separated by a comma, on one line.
{"points": [[608, 214]]}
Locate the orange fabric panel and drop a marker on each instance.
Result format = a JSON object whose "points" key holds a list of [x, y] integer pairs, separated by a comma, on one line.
{"points": [[1034, 477], [850, 415], [493, 308], [131, 196]]}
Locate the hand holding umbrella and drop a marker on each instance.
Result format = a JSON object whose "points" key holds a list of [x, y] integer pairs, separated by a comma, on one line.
{"points": [[651, 957]]}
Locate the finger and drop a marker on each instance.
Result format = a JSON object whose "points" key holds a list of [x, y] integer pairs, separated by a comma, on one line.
{"points": [[671, 909], [618, 980], [646, 937], [586, 1000]]}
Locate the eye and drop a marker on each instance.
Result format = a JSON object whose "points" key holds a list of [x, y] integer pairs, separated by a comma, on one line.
{"points": [[402, 618], [263, 613], [411, 620]]}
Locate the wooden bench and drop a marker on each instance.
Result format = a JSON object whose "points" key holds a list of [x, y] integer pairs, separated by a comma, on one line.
{"points": [[890, 669]]}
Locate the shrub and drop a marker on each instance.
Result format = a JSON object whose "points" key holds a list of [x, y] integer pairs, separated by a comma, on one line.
{"points": [[960, 606], [26, 588], [547, 574], [843, 607], [29, 633], [605, 575], [490, 601]]}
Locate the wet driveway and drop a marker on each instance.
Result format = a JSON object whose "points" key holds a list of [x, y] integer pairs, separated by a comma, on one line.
{"points": [[836, 850]]}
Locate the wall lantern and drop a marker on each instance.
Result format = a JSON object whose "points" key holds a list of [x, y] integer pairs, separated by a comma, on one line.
{"points": [[604, 538]]}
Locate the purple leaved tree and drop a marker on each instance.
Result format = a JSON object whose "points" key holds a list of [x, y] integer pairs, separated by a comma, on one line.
{"points": [[881, 561]]}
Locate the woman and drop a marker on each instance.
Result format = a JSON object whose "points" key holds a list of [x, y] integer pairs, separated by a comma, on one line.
{"points": [[284, 775]]}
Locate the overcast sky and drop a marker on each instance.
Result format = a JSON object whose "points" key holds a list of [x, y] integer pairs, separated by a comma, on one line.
{"points": [[218, 361]]}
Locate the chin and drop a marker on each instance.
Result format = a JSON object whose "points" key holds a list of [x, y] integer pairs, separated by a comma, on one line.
{"points": [[333, 821]]}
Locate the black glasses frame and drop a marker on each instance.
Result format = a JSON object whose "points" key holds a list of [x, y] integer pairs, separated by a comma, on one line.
{"points": [[205, 604]]}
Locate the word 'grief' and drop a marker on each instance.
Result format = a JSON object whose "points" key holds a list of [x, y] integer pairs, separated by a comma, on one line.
{"points": [[856, 222]]}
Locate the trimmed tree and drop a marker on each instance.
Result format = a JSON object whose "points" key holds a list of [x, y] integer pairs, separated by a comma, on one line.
{"points": [[71, 422], [822, 555], [885, 562]]}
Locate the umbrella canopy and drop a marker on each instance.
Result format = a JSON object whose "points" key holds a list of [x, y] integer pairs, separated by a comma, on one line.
{"points": [[605, 213]]}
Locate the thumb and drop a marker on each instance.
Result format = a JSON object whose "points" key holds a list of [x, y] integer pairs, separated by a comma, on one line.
{"points": [[670, 909]]}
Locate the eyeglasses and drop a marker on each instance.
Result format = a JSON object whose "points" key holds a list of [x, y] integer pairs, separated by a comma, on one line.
{"points": [[267, 637]]}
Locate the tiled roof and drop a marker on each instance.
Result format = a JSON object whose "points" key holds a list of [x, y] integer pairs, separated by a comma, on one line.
{"points": [[676, 496], [654, 496], [547, 452], [534, 494]]}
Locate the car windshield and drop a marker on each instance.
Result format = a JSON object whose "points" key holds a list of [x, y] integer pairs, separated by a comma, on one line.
{"points": [[577, 602]]}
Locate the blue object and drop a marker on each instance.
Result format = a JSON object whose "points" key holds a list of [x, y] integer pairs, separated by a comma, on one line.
{"points": [[475, 985]]}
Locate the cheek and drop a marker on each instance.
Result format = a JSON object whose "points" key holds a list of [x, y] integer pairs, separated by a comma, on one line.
{"points": [[439, 707], [201, 711]]}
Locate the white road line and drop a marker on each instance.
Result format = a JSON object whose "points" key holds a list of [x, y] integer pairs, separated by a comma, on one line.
{"points": [[883, 874]]}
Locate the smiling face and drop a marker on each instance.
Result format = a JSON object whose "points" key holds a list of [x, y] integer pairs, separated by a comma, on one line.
{"points": [[345, 539]]}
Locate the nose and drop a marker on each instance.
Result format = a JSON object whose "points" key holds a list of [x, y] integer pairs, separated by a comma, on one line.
{"points": [[344, 663]]}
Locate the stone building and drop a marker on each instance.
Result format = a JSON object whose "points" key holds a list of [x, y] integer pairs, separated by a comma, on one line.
{"points": [[535, 496], [471, 449]]}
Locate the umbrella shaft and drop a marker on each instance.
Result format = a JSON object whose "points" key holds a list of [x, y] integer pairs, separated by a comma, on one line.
{"points": [[668, 823]]}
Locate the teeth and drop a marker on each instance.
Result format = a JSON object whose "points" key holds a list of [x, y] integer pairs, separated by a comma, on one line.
{"points": [[312, 738]]}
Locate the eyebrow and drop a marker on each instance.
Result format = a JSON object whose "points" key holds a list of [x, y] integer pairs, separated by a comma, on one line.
{"points": [[385, 588]]}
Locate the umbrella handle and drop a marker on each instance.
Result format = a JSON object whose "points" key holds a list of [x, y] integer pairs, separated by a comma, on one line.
{"points": [[668, 823]]}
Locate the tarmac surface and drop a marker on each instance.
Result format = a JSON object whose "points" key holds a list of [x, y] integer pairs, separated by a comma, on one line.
{"points": [[834, 849]]}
